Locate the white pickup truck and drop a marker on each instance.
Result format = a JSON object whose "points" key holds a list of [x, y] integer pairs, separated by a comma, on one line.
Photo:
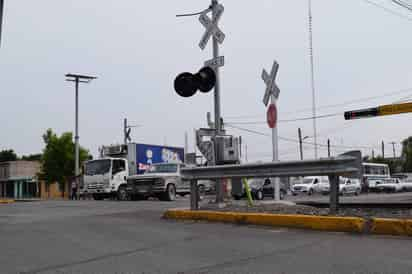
{"points": [[394, 185], [160, 180]]}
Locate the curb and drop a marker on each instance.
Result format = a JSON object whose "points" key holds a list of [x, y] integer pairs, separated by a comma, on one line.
{"points": [[397, 227], [322, 223], [6, 201]]}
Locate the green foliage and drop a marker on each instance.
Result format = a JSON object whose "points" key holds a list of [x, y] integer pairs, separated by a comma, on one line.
{"points": [[58, 157], [8, 155], [31, 157], [395, 165], [407, 154]]}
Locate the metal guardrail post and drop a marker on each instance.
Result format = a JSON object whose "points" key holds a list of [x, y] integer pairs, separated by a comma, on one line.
{"points": [[194, 195], [334, 194]]}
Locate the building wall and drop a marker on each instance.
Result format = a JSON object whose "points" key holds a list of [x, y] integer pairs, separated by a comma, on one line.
{"points": [[4, 171], [53, 191], [19, 169], [24, 169]]}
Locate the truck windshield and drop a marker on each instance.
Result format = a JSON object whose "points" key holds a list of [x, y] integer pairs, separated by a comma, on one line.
{"points": [[165, 168], [98, 167]]}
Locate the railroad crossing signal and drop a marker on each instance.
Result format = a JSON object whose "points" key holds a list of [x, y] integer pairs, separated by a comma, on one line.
{"points": [[186, 84], [378, 111], [270, 81], [211, 26]]}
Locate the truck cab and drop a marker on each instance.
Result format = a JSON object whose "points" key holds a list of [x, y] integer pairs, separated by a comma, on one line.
{"points": [[105, 178]]}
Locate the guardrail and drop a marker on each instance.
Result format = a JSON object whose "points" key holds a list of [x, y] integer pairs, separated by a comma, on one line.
{"points": [[348, 165]]}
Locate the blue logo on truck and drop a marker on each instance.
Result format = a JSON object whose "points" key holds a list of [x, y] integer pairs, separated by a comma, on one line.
{"points": [[151, 154]]}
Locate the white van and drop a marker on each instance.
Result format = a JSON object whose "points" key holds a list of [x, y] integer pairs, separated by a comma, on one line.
{"points": [[311, 185]]}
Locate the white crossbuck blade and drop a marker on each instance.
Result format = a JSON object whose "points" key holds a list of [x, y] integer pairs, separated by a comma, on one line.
{"points": [[271, 87], [211, 27]]}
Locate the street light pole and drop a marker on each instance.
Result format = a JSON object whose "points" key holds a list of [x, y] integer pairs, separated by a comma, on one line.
{"points": [[77, 78]]}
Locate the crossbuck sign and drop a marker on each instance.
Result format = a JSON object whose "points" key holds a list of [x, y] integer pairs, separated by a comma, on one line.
{"points": [[212, 28], [270, 81]]}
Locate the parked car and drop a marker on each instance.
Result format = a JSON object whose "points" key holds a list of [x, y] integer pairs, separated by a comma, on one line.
{"points": [[207, 186], [392, 185], [311, 185], [269, 189], [261, 188], [349, 186], [406, 184]]}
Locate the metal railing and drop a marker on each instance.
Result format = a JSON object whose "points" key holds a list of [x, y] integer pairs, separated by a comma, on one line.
{"points": [[348, 165]]}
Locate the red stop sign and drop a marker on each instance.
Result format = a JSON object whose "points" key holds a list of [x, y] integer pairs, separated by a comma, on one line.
{"points": [[272, 116]]}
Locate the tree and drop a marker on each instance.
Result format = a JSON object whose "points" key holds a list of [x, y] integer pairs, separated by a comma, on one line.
{"points": [[32, 157], [407, 154], [58, 158], [8, 155], [395, 165]]}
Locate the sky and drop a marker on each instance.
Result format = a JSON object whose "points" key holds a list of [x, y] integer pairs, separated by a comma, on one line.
{"points": [[136, 49]]}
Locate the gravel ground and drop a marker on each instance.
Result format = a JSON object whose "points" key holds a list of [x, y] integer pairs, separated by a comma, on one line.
{"points": [[309, 210]]}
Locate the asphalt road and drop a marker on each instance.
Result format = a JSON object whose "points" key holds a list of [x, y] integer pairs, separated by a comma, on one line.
{"points": [[131, 237]]}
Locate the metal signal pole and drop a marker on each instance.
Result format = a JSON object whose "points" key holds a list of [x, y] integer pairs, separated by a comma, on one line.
{"points": [[217, 85], [218, 122]]}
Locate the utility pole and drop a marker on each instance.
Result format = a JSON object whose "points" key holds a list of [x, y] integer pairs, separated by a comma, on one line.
{"points": [[312, 76], [125, 135], [328, 148], [394, 149], [77, 78], [300, 143], [383, 150], [1, 17]]}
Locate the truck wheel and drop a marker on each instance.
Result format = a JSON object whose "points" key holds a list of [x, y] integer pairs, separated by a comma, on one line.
{"points": [[97, 197], [122, 194], [170, 194], [202, 192], [259, 195]]}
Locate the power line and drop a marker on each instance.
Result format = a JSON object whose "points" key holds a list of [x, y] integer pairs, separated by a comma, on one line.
{"points": [[388, 10], [403, 4], [349, 102], [297, 141], [289, 120]]}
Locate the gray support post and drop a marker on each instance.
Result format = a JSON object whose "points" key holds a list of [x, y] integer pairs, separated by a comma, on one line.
{"points": [[194, 195], [334, 194]]}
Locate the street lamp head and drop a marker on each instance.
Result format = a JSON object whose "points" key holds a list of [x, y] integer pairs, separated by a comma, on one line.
{"points": [[79, 78]]}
